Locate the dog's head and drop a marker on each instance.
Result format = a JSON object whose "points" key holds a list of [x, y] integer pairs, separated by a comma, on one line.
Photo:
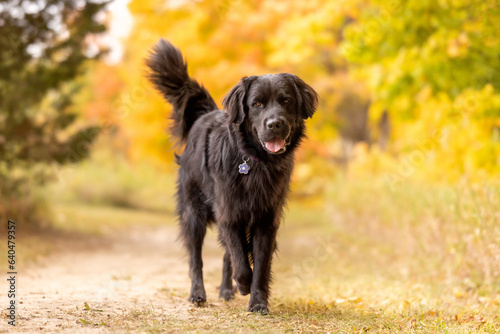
{"points": [[272, 108]]}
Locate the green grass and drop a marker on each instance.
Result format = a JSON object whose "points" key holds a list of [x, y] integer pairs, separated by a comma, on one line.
{"points": [[113, 181], [100, 219]]}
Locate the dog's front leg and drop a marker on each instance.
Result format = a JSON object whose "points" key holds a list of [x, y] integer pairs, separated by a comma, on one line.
{"points": [[264, 245], [236, 244]]}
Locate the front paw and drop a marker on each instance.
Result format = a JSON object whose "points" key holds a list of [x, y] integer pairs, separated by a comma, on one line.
{"points": [[258, 308], [198, 297]]}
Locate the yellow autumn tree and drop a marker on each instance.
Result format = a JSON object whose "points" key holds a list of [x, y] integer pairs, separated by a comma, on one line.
{"points": [[224, 41], [435, 76]]}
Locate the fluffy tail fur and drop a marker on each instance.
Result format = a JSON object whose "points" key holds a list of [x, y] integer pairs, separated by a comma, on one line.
{"points": [[168, 73]]}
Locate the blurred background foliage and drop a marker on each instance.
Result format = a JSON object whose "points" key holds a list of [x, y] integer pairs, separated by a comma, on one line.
{"points": [[403, 155], [43, 50], [432, 66]]}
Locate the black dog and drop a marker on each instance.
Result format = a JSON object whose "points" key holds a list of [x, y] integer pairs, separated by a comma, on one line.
{"points": [[235, 169]]}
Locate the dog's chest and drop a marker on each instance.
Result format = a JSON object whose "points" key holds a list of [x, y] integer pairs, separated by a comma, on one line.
{"points": [[260, 187]]}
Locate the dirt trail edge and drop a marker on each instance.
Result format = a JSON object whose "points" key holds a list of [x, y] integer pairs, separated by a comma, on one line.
{"points": [[98, 289]]}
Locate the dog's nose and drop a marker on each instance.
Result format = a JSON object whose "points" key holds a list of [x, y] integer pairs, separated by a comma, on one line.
{"points": [[275, 123]]}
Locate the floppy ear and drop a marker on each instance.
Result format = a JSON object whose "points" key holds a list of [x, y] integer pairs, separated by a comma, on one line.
{"points": [[235, 101], [307, 98]]}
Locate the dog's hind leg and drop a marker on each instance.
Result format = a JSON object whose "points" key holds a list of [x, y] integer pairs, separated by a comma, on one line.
{"points": [[193, 229], [226, 287]]}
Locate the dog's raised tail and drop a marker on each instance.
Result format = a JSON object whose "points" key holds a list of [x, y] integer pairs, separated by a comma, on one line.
{"points": [[168, 73]]}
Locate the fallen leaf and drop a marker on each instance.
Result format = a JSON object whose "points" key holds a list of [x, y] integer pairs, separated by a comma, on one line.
{"points": [[410, 324], [432, 313]]}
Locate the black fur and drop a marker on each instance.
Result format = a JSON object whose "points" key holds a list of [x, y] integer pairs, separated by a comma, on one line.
{"points": [[169, 75], [264, 121]]}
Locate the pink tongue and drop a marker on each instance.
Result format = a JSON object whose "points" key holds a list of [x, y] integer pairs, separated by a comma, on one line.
{"points": [[275, 145]]}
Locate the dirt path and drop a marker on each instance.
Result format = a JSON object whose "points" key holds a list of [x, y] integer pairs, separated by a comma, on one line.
{"points": [[119, 277], [135, 280]]}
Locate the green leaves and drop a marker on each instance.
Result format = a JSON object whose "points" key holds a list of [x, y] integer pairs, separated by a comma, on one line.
{"points": [[42, 51], [426, 60]]}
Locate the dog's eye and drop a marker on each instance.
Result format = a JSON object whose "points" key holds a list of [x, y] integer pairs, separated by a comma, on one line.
{"points": [[285, 101], [258, 104]]}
